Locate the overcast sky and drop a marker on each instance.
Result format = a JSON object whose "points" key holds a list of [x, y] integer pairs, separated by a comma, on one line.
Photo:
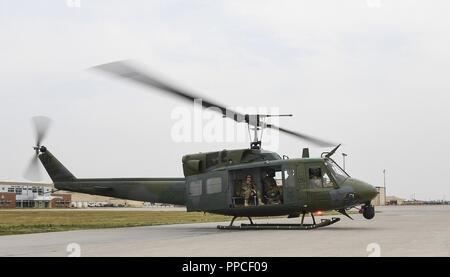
{"points": [[371, 74]]}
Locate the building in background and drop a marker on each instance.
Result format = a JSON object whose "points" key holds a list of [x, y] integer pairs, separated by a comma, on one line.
{"points": [[394, 200], [7, 200], [31, 195], [380, 199], [82, 200], [41, 195], [61, 200]]}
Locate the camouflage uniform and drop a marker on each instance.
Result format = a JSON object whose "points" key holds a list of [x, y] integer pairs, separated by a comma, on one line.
{"points": [[272, 192], [248, 191], [273, 195]]}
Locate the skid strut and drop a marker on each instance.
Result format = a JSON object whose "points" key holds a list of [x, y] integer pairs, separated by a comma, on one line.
{"points": [[279, 226], [232, 221]]}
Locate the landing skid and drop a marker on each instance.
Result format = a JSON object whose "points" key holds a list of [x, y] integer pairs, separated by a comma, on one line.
{"points": [[279, 226]]}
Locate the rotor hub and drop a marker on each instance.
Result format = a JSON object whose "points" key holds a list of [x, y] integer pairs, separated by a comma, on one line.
{"points": [[40, 149]]}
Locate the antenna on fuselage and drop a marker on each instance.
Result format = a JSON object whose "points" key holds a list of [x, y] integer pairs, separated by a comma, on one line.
{"points": [[305, 153]]}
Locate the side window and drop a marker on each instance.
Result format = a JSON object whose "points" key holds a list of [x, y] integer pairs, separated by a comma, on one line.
{"points": [[195, 188], [214, 185], [315, 177]]}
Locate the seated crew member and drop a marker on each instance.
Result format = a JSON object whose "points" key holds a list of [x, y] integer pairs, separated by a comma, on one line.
{"points": [[249, 192], [315, 178], [272, 192]]}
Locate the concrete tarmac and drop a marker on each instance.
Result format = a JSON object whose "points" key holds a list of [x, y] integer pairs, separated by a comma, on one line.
{"points": [[395, 231]]}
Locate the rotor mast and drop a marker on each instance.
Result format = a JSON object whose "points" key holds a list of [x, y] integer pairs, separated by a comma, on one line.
{"points": [[256, 123]]}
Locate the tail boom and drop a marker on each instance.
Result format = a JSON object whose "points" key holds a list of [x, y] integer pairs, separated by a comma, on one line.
{"points": [[156, 190], [159, 190]]}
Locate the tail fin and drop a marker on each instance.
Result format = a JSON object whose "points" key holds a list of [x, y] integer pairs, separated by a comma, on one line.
{"points": [[55, 169]]}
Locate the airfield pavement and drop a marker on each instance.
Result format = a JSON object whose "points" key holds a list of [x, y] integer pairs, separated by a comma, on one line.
{"points": [[395, 231]]}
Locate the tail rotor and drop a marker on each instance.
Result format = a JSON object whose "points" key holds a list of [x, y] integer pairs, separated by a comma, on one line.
{"points": [[40, 125]]}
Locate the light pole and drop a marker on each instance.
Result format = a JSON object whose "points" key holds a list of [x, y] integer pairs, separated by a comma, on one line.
{"points": [[384, 184], [343, 160]]}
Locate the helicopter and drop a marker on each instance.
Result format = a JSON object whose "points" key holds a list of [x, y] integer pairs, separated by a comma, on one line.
{"points": [[250, 182]]}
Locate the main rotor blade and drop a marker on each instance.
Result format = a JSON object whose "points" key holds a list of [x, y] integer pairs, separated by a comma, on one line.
{"points": [[33, 171], [126, 70], [313, 140], [41, 125]]}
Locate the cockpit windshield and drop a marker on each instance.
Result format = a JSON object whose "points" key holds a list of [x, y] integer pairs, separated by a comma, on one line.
{"points": [[338, 173]]}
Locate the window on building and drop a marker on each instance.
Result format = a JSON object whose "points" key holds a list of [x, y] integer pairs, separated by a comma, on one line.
{"points": [[11, 189]]}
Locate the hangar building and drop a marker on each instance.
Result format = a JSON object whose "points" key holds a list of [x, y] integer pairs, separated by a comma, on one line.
{"points": [[31, 195]]}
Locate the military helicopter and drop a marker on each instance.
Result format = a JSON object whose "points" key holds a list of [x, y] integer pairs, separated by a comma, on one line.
{"points": [[247, 183]]}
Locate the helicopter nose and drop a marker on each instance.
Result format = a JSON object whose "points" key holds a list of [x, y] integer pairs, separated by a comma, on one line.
{"points": [[365, 191]]}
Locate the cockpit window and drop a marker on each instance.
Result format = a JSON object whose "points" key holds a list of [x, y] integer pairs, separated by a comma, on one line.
{"points": [[338, 173], [318, 178]]}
